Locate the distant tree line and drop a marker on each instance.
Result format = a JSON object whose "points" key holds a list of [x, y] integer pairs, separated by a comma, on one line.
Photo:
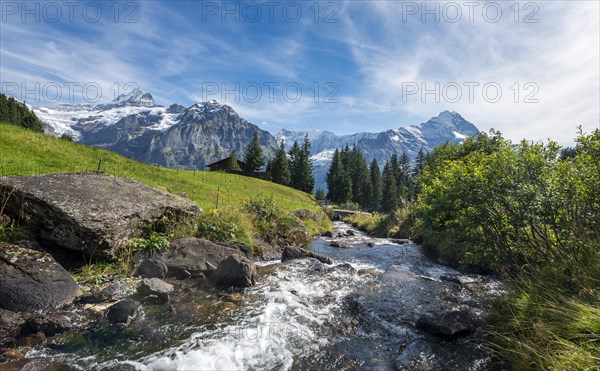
{"points": [[350, 179], [293, 168], [16, 113]]}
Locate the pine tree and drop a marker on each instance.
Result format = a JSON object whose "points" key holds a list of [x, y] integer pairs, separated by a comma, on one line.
{"points": [[254, 155], [16, 113], [376, 184], [419, 161], [280, 167], [404, 180], [306, 173], [339, 182], [295, 165], [389, 196], [333, 176], [320, 194], [232, 163]]}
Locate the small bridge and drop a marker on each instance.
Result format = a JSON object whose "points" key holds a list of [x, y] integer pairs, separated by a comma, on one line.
{"points": [[341, 213]]}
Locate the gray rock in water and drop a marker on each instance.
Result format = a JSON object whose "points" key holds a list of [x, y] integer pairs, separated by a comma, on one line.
{"points": [[152, 268], [124, 311], [49, 324], [292, 253], [339, 245], [33, 280], [156, 287], [110, 292], [327, 234], [92, 213], [235, 271], [194, 257], [447, 325], [343, 267]]}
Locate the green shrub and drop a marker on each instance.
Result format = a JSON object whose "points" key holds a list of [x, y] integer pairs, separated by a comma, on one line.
{"points": [[268, 218], [153, 244], [219, 225]]}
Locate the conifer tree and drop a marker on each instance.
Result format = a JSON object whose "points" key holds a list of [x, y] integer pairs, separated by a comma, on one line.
{"points": [[389, 196], [232, 163], [376, 186], [295, 165], [254, 155], [280, 166]]}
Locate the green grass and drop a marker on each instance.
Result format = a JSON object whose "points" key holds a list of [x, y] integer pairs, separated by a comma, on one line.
{"points": [[537, 325], [25, 153]]}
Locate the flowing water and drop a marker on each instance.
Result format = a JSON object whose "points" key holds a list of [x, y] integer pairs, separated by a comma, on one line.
{"points": [[359, 313]]}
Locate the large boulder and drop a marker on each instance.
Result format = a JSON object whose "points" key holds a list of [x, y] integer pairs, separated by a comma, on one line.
{"points": [[33, 280], [235, 271], [195, 257], [293, 253], [93, 213]]}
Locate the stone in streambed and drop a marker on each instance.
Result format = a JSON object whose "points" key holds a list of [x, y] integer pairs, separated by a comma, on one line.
{"points": [[235, 271], [33, 280]]}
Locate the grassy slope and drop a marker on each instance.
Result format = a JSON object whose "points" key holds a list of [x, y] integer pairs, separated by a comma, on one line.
{"points": [[24, 153]]}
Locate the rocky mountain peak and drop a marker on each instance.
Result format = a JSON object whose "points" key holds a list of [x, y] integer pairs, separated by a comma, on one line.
{"points": [[135, 98]]}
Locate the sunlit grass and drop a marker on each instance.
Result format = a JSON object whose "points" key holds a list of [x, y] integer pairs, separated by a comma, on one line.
{"points": [[25, 153]]}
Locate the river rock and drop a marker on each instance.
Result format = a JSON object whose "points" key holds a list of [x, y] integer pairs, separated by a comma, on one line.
{"points": [[267, 251], [350, 232], [447, 325], [10, 326], [472, 269], [151, 268], [33, 280], [327, 234], [156, 287], [292, 253], [235, 271], [296, 235], [242, 247], [92, 213], [49, 324], [110, 292], [339, 245], [194, 257], [343, 267], [124, 311]]}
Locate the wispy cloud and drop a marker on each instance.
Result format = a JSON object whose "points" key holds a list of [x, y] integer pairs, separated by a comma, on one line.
{"points": [[373, 50]]}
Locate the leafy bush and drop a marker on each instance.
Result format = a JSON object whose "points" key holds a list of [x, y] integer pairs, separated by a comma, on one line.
{"points": [[218, 225], [268, 218], [153, 244], [534, 217]]}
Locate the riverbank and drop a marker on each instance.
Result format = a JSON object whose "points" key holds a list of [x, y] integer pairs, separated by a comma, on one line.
{"points": [[373, 304]]}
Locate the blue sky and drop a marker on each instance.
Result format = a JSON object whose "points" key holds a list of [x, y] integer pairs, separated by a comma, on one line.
{"points": [[376, 65]]}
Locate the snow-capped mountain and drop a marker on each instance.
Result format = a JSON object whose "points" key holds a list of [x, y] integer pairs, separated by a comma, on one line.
{"points": [[446, 127], [134, 126]]}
